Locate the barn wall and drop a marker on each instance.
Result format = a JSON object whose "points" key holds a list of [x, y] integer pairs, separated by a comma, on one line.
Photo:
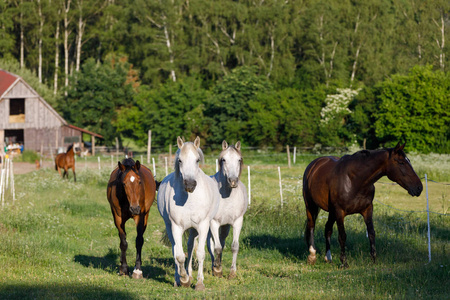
{"points": [[45, 138], [4, 113]]}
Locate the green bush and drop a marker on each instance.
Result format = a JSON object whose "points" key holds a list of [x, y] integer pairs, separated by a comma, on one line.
{"points": [[29, 156]]}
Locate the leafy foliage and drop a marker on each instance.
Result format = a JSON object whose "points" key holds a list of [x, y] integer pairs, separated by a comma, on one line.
{"points": [[95, 96], [415, 108]]}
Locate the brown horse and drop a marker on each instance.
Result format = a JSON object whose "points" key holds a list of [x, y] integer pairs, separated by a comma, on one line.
{"points": [[345, 186], [131, 191], [66, 161]]}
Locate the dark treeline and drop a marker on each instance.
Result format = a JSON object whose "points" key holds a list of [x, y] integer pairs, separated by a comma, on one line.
{"points": [[269, 73]]}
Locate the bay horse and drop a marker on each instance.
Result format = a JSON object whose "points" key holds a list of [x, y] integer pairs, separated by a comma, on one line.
{"points": [[345, 186], [188, 198], [232, 207], [131, 192], [66, 161]]}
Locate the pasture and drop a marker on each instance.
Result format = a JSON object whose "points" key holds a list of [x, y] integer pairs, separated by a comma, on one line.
{"points": [[58, 241]]}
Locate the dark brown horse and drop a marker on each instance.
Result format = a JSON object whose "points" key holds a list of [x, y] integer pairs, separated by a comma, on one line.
{"points": [[345, 186], [66, 161], [131, 191]]}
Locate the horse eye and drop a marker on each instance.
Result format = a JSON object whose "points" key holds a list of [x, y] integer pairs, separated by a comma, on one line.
{"points": [[198, 160], [223, 159], [179, 161]]}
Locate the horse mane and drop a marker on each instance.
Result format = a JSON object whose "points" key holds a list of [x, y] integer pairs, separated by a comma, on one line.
{"points": [[69, 148]]}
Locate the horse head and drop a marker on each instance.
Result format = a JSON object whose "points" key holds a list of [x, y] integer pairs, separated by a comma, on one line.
{"points": [[187, 161], [231, 163], [131, 183], [400, 170]]}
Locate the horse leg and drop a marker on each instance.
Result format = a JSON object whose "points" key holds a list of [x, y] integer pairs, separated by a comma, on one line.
{"points": [[65, 173], [59, 171], [191, 245], [237, 226], [181, 277], [342, 236], [74, 175], [328, 232], [123, 269], [202, 230], [214, 242], [367, 215], [312, 211], [137, 272]]}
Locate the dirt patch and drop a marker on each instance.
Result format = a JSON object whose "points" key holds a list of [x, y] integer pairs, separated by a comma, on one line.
{"points": [[23, 167]]}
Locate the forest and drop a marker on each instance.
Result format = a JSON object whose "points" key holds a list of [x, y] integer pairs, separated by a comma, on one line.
{"points": [[269, 73]]}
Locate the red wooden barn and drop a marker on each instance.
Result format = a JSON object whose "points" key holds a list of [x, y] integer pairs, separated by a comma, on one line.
{"points": [[27, 119]]}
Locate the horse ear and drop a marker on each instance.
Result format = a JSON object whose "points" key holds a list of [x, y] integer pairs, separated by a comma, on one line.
{"points": [[138, 165], [403, 146], [197, 142], [121, 167], [238, 146], [224, 145], [180, 142]]}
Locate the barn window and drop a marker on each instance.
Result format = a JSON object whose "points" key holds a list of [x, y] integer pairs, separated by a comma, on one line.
{"points": [[17, 111]]}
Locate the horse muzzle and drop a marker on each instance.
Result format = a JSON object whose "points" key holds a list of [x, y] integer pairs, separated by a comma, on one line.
{"points": [[189, 185], [233, 182], [135, 210], [416, 191]]}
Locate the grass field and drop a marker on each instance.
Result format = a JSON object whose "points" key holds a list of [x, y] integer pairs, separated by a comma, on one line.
{"points": [[58, 241]]}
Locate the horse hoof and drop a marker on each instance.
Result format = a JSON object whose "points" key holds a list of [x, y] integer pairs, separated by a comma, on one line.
{"points": [[328, 257], [344, 266], [137, 274], [123, 273], [217, 273], [232, 274], [200, 286], [311, 260], [186, 283]]}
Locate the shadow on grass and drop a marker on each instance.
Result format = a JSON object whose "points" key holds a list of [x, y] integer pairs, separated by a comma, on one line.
{"points": [[109, 264], [57, 291]]}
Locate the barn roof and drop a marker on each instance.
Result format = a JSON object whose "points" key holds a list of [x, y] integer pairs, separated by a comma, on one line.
{"points": [[7, 81], [85, 131]]}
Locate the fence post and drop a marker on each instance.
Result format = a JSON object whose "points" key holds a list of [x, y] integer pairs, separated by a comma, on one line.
{"points": [[428, 220], [167, 171], [154, 168], [12, 181], [288, 155], [295, 153], [217, 165], [281, 189], [99, 163], [249, 187], [149, 146]]}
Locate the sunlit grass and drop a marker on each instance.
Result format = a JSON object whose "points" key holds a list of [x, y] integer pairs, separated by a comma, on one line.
{"points": [[58, 241]]}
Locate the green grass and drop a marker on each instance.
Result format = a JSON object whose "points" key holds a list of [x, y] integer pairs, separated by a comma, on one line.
{"points": [[58, 241]]}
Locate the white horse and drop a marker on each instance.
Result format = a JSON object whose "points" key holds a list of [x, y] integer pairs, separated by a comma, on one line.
{"points": [[233, 205], [188, 198]]}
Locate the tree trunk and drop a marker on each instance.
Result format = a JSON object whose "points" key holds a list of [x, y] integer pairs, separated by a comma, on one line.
{"points": [[55, 83], [66, 43], [41, 26], [22, 48]]}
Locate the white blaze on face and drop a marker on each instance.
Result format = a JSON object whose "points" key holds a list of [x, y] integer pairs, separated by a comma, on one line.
{"points": [[132, 178]]}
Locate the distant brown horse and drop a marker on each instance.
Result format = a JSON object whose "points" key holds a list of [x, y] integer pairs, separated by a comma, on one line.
{"points": [[131, 191], [66, 161], [345, 186]]}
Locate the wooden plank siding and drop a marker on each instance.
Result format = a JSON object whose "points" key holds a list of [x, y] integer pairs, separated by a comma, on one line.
{"points": [[43, 127]]}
